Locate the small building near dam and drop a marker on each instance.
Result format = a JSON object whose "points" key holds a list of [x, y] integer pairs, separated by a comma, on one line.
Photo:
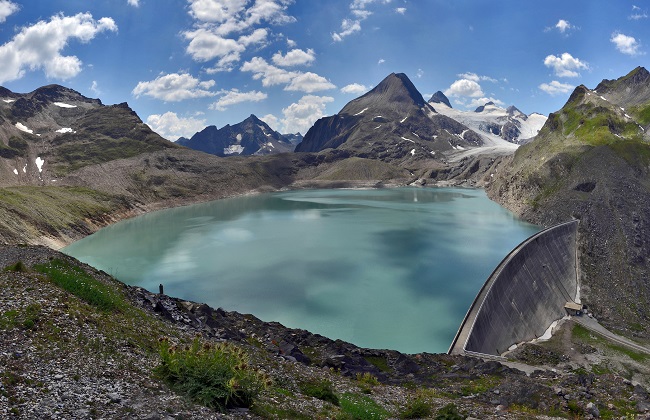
{"points": [[524, 295]]}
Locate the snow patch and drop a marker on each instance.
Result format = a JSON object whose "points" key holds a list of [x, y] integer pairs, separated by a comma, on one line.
{"points": [[25, 169], [361, 112], [404, 138], [238, 137], [8, 101], [603, 98], [24, 128], [377, 127], [404, 119], [16, 171], [415, 134], [412, 152], [65, 130], [269, 144], [64, 105], [234, 149], [39, 163]]}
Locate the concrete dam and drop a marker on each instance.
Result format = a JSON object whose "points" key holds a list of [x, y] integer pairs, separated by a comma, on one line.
{"points": [[524, 295]]}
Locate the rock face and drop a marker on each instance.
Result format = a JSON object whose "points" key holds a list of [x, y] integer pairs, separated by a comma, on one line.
{"points": [[591, 161], [392, 123], [250, 137], [54, 130], [494, 122]]}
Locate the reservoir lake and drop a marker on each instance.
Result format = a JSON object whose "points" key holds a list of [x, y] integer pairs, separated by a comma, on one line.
{"points": [[392, 268]]}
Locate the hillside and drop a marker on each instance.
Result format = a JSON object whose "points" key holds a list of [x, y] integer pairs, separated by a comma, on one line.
{"points": [[47, 133], [75, 343], [591, 162]]}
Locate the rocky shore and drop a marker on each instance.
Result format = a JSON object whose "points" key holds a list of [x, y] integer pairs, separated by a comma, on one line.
{"points": [[62, 358]]}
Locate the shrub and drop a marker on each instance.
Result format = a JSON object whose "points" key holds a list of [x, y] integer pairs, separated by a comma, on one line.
{"points": [[416, 409], [449, 412], [214, 375]]}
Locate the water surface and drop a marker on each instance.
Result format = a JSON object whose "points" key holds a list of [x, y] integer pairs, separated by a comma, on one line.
{"points": [[388, 268]]}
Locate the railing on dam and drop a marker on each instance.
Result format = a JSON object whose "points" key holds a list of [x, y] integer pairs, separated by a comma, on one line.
{"points": [[523, 295]]}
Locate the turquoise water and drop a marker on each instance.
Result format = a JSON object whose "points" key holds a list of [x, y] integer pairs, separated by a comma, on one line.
{"points": [[387, 268]]}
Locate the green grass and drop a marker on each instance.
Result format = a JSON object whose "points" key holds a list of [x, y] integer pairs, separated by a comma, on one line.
{"points": [[416, 408], [479, 386], [214, 375], [27, 318], [379, 362], [321, 390], [361, 407], [81, 284]]}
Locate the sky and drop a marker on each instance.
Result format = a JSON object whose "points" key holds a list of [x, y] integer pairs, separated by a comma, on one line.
{"points": [[185, 64]]}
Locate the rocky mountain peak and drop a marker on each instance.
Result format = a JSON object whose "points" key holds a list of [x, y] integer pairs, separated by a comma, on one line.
{"points": [[58, 93], [631, 89], [482, 107], [396, 89], [440, 98]]}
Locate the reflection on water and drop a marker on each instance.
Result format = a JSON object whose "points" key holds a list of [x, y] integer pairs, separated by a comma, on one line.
{"points": [[390, 268]]}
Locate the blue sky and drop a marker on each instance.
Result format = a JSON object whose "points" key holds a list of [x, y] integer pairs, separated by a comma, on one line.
{"points": [[185, 64]]}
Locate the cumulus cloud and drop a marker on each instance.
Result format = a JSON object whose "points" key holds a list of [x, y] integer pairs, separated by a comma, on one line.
{"points": [[400, 10], [354, 88], [40, 46], [175, 87], [234, 96], [271, 75], [134, 3], [301, 115], [476, 102], [360, 12], [465, 87], [94, 87], [476, 78], [556, 88], [7, 8], [626, 44], [224, 29], [171, 126], [295, 57], [565, 65]]}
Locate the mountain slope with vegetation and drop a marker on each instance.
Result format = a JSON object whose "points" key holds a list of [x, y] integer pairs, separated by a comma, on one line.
{"points": [[591, 161]]}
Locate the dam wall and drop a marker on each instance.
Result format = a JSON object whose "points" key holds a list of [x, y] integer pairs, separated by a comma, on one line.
{"points": [[523, 295]]}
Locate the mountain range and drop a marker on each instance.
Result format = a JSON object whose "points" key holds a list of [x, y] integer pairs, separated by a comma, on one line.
{"points": [[249, 137], [590, 161]]}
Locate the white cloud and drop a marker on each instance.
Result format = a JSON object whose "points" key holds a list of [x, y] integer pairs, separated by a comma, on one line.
{"points": [[171, 126], [94, 87], [359, 10], [300, 116], [565, 65], [556, 88], [134, 3], [295, 57], [271, 75], [419, 73], [291, 43], [40, 46], [626, 44], [381, 61], [354, 88], [638, 14], [465, 87], [400, 10], [348, 27], [563, 25], [476, 78], [175, 87], [309, 82], [474, 103], [7, 8], [234, 96], [224, 29]]}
